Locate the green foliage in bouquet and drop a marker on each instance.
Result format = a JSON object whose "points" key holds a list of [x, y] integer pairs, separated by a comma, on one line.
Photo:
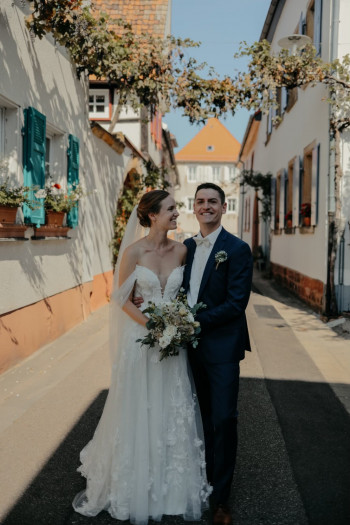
{"points": [[172, 325]]}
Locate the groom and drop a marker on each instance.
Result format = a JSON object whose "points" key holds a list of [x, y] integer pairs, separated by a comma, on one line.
{"points": [[218, 273]]}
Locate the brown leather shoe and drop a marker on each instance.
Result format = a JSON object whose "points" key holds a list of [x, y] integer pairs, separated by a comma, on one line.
{"points": [[222, 516]]}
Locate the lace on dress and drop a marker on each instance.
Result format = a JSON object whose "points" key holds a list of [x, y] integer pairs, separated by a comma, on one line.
{"points": [[146, 457]]}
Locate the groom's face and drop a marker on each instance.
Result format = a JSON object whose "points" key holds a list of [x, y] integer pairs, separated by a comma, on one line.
{"points": [[208, 208]]}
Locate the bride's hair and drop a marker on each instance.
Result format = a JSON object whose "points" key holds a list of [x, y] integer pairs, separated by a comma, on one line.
{"points": [[150, 203]]}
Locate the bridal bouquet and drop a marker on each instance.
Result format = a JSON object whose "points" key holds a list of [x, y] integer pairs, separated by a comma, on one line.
{"points": [[171, 325]]}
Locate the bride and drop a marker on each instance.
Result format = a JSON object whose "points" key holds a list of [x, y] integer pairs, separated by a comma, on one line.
{"points": [[146, 457]]}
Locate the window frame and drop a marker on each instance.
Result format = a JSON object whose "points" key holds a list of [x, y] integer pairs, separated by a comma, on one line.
{"points": [[106, 115], [231, 200], [193, 167]]}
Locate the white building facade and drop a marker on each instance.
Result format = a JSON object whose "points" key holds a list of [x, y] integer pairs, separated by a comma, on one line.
{"points": [[297, 151], [211, 156], [49, 284]]}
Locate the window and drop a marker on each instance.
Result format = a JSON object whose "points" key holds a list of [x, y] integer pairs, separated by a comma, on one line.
{"points": [[190, 203], [2, 133], [312, 23], [309, 185], [210, 148], [47, 159], [232, 173], [73, 177], [34, 154], [247, 215], [216, 170], [278, 201], [231, 205], [289, 195], [99, 105], [192, 173]]}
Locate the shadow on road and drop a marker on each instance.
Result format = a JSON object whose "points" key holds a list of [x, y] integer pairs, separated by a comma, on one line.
{"points": [[294, 458]]}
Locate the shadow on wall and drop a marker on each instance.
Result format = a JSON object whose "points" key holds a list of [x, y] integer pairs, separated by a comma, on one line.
{"points": [[23, 66], [293, 459]]}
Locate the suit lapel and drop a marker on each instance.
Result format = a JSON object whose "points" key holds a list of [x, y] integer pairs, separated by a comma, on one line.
{"points": [[219, 245], [191, 248]]}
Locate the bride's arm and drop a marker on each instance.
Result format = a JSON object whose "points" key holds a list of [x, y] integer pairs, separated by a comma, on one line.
{"points": [[127, 266]]}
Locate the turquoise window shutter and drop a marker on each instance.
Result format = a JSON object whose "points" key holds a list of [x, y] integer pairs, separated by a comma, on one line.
{"points": [[34, 146], [73, 177]]}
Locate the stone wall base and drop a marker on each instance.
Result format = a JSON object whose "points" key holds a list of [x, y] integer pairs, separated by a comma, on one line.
{"points": [[27, 329], [309, 290]]}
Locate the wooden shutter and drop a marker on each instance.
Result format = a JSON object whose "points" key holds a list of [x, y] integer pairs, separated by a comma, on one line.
{"points": [[282, 198], [34, 148], [73, 177], [296, 191], [284, 99], [318, 25], [314, 184], [273, 203]]}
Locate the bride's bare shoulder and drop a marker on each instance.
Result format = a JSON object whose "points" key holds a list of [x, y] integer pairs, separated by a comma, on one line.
{"points": [[180, 248], [135, 249]]}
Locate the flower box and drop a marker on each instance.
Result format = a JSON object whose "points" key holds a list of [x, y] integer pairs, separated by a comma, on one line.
{"points": [[8, 214], [49, 230], [54, 218]]}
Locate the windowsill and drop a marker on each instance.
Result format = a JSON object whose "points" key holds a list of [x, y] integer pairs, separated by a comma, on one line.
{"points": [[12, 231], [306, 229], [289, 231], [50, 232]]}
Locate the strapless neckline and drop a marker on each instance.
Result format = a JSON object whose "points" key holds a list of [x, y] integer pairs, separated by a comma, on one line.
{"points": [[156, 275]]}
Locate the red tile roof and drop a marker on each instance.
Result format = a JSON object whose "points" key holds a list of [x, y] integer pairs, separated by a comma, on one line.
{"points": [[145, 16], [213, 143]]}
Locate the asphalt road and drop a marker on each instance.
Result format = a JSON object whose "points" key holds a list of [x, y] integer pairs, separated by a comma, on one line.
{"points": [[293, 465]]}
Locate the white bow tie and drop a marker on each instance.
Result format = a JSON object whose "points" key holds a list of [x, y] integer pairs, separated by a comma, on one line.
{"points": [[202, 242]]}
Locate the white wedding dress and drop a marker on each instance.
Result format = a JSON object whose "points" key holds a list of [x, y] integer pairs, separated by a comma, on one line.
{"points": [[146, 458]]}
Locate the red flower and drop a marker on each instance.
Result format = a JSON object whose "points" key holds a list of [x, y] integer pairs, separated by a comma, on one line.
{"points": [[58, 186]]}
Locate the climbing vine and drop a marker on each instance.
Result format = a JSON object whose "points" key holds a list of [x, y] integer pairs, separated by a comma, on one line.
{"points": [[262, 184]]}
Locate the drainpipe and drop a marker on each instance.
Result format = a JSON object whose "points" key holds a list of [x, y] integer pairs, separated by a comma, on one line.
{"points": [[334, 11], [242, 199]]}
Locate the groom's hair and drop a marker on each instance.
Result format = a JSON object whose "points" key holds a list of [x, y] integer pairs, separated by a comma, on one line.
{"points": [[212, 186]]}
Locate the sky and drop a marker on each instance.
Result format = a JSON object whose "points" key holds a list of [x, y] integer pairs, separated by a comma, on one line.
{"points": [[220, 26]]}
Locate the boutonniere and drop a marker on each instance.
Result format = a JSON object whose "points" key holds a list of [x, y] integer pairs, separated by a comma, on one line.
{"points": [[220, 257]]}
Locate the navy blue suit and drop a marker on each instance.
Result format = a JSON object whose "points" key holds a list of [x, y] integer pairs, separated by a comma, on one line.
{"points": [[215, 362]]}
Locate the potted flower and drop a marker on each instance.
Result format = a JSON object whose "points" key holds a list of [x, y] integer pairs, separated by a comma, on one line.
{"points": [[57, 202], [305, 212], [11, 197], [289, 219]]}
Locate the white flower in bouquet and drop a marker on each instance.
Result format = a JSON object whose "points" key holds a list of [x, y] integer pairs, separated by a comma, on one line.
{"points": [[171, 325], [170, 331]]}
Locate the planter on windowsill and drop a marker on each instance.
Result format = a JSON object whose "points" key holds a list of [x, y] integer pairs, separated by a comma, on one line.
{"points": [[8, 214], [53, 226], [8, 227], [306, 221], [54, 218]]}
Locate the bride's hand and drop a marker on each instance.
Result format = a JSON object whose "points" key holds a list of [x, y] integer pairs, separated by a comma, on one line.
{"points": [[137, 301]]}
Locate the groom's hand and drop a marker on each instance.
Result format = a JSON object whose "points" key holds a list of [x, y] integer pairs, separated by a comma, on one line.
{"points": [[137, 301]]}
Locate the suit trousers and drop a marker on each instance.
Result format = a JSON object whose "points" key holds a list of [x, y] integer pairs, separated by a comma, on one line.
{"points": [[217, 388]]}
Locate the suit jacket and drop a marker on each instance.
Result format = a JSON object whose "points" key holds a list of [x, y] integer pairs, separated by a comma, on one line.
{"points": [[225, 290]]}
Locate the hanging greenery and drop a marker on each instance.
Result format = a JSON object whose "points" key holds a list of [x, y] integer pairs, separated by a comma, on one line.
{"points": [[262, 184]]}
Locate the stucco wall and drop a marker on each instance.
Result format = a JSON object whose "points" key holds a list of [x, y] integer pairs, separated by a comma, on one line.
{"points": [[40, 74], [306, 122]]}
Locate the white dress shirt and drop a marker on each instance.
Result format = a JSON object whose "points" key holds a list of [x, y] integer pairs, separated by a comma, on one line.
{"points": [[200, 260]]}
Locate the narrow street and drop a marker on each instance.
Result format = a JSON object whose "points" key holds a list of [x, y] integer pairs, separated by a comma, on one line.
{"points": [[294, 430]]}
